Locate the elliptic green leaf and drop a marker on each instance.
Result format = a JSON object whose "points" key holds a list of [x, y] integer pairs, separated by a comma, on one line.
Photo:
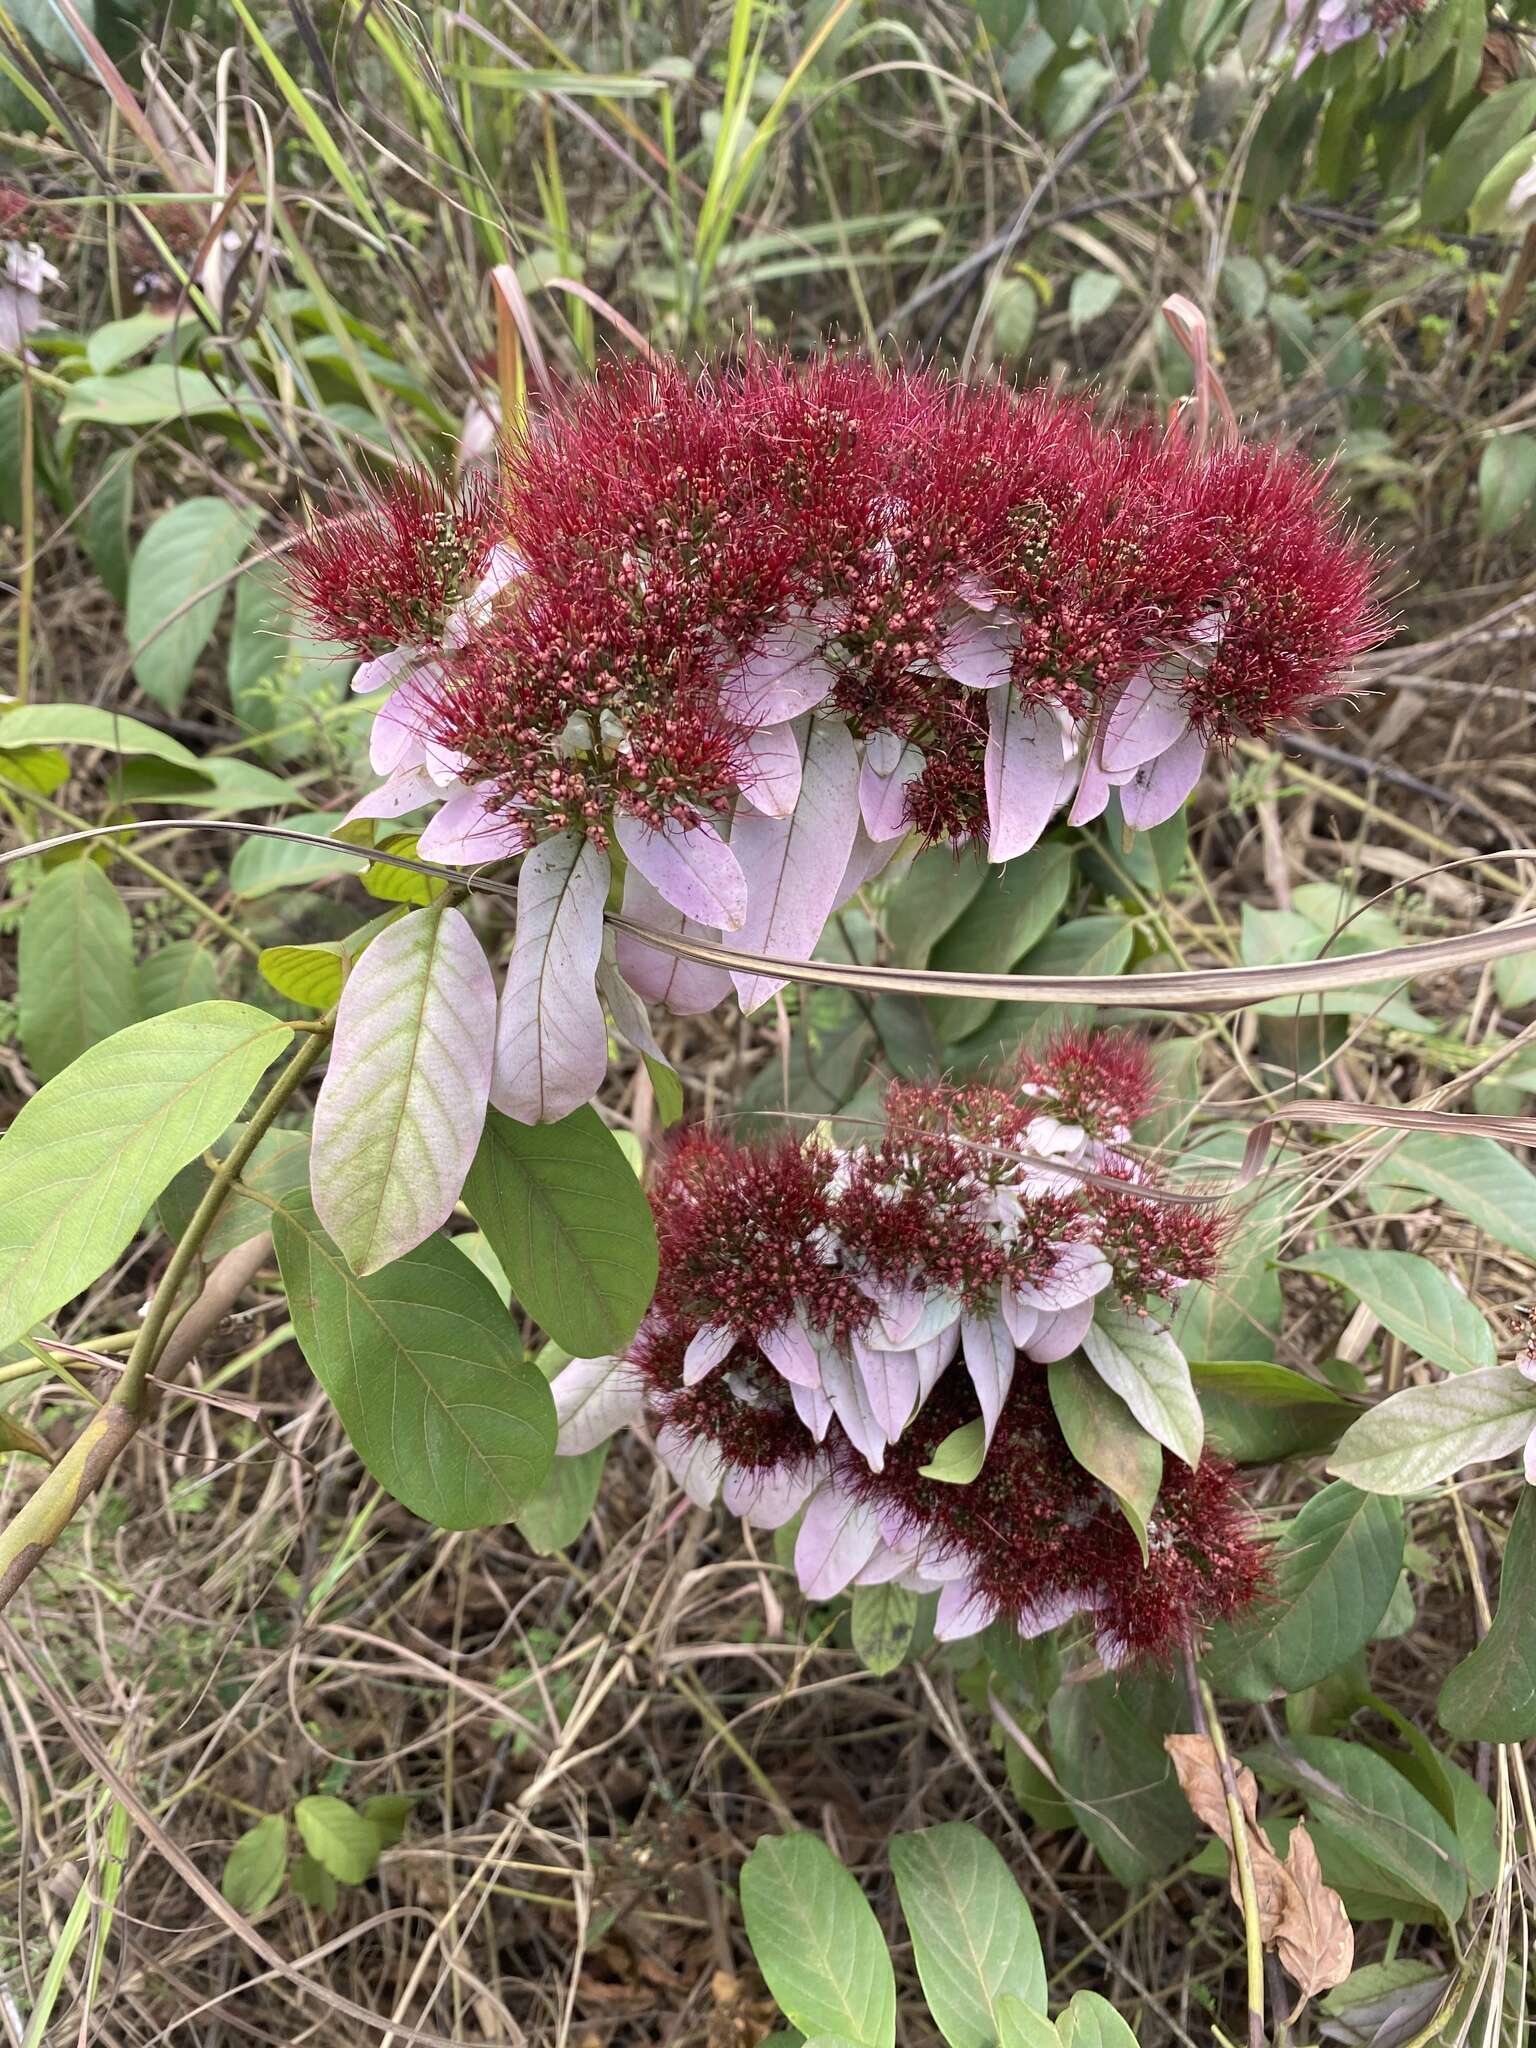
{"points": [[1372, 1807], [422, 1364], [341, 1841], [972, 1934], [1424, 1434], [263, 865], [179, 974], [1255, 1413], [1138, 1359], [1491, 1696], [1333, 1574], [1107, 1440], [75, 959], [1015, 906], [195, 544], [256, 1866], [88, 1154], [817, 1943], [570, 1223], [1092, 2022], [961, 1455], [884, 1621], [1475, 1177], [1414, 1300], [87, 725]]}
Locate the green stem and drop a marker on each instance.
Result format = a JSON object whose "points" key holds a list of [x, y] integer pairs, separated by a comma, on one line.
{"points": [[41, 1521], [124, 852], [1243, 1863], [130, 1390]]}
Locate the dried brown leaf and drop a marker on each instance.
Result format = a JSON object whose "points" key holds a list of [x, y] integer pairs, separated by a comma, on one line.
{"points": [[1314, 1940], [1299, 1917]]}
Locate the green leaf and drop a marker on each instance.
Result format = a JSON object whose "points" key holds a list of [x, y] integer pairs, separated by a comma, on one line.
{"points": [[884, 1622], [278, 1167], [105, 521], [75, 963], [179, 974], [1515, 980], [312, 1884], [1486, 135], [1092, 2022], [1333, 1573], [1414, 1300], [15, 1436], [1491, 1695], [389, 1812], [1256, 1413], [1506, 483], [116, 341], [85, 725], [1018, 2026], [1424, 1434], [1014, 908], [342, 1842], [817, 1943], [1488, 213], [1139, 1360], [1107, 1745], [935, 891], [1476, 1177], [1375, 1810], [86, 1157], [196, 543], [263, 865], [555, 1515], [279, 674], [148, 397], [1107, 1440], [1232, 1318], [1015, 311], [1093, 293], [256, 1866], [972, 1936], [957, 1460], [570, 1223], [422, 1364]]}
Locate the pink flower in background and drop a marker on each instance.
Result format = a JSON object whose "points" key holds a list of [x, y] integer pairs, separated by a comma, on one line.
{"points": [[827, 1320], [25, 275], [1328, 25]]}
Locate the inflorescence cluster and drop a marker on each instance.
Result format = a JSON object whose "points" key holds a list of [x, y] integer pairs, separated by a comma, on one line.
{"points": [[827, 1319], [758, 624]]}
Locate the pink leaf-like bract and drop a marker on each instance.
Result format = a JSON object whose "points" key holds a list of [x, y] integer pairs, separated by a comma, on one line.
{"points": [[791, 1353], [466, 831], [771, 759], [989, 1359], [1022, 769], [889, 766], [1157, 790], [779, 678], [1143, 722], [690, 867], [890, 1385], [794, 865], [406, 791], [594, 1399], [694, 1462], [978, 651], [1081, 1271], [403, 1101], [685, 987], [551, 1036], [768, 1498], [707, 1348], [836, 1540], [1059, 1332], [963, 1611]]}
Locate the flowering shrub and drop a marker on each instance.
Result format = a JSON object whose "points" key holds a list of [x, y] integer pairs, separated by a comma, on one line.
{"points": [[740, 634], [859, 1336]]}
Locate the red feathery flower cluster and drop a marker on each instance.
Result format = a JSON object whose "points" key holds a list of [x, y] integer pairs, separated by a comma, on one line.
{"points": [[787, 613], [826, 1319]]}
